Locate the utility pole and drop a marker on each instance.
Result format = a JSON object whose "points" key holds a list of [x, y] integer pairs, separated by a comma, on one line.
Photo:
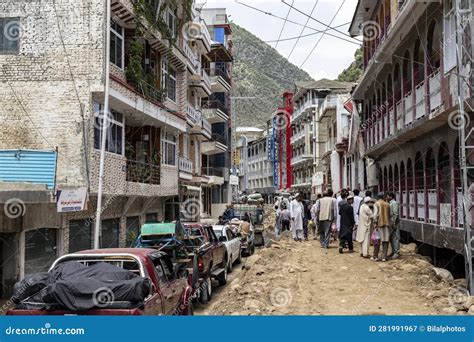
{"points": [[463, 17], [105, 126]]}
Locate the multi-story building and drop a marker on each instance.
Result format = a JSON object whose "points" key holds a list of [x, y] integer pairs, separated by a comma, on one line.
{"points": [[52, 89], [216, 108], [320, 129], [410, 116], [259, 171]]}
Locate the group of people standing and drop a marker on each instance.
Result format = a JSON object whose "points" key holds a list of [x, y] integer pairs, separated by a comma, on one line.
{"points": [[347, 217]]}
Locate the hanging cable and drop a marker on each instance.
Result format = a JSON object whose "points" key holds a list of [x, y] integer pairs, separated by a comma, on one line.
{"points": [[302, 30], [319, 21], [320, 38], [284, 24]]}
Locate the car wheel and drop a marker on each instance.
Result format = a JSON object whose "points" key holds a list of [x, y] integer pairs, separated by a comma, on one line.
{"points": [[239, 259], [229, 265], [223, 277], [206, 292]]}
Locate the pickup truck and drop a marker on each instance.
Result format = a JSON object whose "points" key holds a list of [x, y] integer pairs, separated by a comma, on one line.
{"points": [[212, 257], [170, 293]]}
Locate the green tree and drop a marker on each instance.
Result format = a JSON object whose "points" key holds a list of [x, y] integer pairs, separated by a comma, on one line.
{"points": [[354, 71]]}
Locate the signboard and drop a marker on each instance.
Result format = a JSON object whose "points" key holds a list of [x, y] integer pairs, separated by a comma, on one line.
{"points": [[234, 180], [71, 200]]}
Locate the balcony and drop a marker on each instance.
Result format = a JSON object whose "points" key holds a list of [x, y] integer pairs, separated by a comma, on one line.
{"points": [[220, 80], [297, 136], [400, 114], [143, 173], [204, 38], [391, 114], [185, 168], [216, 145], [193, 116], [301, 158], [193, 62], [215, 111], [215, 175], [202, 82]]}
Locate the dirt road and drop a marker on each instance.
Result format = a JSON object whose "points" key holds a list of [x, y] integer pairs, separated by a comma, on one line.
{"points": [[301, 278]]}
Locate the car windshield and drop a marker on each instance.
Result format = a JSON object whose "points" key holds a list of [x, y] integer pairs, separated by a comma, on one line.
{"points": [[218, 232], [194, 231]]}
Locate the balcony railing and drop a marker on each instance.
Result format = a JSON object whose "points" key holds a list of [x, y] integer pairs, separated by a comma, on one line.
{"points": [[330, 102], [212, 171], [204, 31], [185, 165], [219, 138], [408, 103], [435, 90], [391, 114], [207, 126], [138, 172], [215, 104], [190, 54], [411, 213], [217, 72], [432, 205], [205, 77], [400, 114], [420, 202], [193, 115], [420, 100]]}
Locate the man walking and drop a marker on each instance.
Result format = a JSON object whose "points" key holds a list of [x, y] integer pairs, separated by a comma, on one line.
{"points": [[306, 217], [346, 213], [365, 227], [382, 224], [394, 225], [297, 214], [285, 217], [356, 205], [326, 214], [314, 218]]}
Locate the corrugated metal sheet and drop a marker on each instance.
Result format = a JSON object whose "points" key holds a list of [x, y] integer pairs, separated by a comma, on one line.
{"points": [[28, 166]]}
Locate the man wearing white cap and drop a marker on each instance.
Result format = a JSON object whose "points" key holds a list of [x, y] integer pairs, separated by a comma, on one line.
{"points": [[364, 229], [296, 214]]}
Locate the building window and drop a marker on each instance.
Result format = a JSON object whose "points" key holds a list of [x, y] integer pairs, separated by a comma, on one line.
{"points": [[110, 233], [219, 35], [168, 79], [170, 19], [169, 150], [80, 235], [115, 130], [116, 44], [10, 34], [41, 249], [449, 46]]}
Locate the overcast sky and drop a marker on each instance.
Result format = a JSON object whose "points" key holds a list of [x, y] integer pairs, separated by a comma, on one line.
{"points": [[330, 57]]}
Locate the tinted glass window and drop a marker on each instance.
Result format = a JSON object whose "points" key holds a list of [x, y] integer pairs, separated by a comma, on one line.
{"points": [[80, 235], [40, 249], [110, 233]]}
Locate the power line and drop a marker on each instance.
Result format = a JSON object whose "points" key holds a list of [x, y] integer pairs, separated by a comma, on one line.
{"points": [[320, 38], [302, 30], [284, 24], [307, 35], [319, 21], [357, 42]]}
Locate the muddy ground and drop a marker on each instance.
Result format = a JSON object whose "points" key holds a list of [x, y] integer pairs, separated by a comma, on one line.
{"points": [[301, 278]]}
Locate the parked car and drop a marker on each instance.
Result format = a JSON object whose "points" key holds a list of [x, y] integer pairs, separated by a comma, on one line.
{"points": [[232, 243], [169, 292], [172, 239], [211, 253]]}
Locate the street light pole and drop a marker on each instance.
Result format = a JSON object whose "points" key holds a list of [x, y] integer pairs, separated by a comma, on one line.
{"points": [[104, 128]]}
